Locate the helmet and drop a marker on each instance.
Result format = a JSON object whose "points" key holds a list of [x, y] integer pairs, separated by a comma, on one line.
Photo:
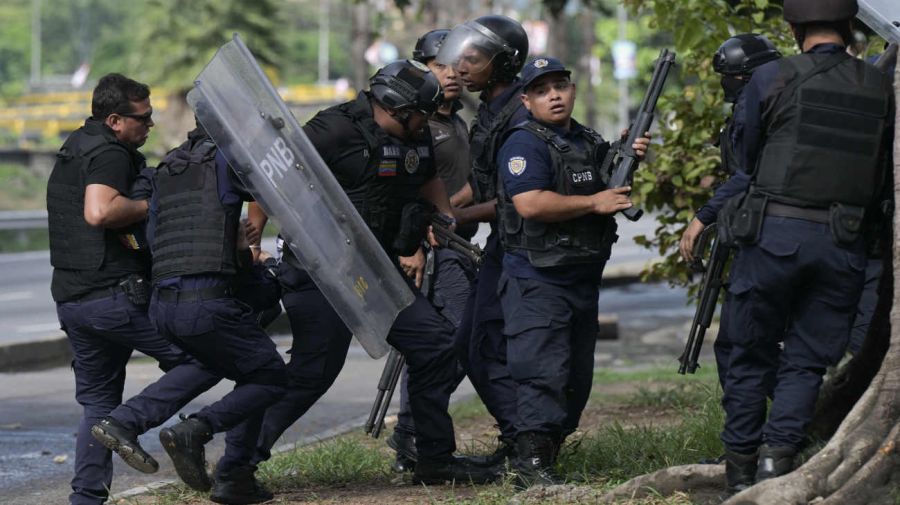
{"points": [[500, 39], [819, 11], [427, 46], [406, 84], [741, 54]]}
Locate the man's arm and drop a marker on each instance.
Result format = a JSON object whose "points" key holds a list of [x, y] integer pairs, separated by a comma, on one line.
{"points": [[435, 192], [462, 197], [104, 206], [479, 213], [551, 207]]}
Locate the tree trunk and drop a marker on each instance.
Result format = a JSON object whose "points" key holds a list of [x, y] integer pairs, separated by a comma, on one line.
{"points": [[861, 462], [362, 38]]}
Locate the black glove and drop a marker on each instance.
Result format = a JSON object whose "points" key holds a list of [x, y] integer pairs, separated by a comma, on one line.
{"points": [[143, 185]]}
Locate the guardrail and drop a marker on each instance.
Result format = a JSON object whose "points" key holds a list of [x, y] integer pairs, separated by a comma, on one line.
{"points": [[23, 219]]}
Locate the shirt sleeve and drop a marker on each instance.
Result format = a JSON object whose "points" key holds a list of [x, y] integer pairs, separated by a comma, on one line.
{"points": [[736, 184], [524, 164], [112, 168]]}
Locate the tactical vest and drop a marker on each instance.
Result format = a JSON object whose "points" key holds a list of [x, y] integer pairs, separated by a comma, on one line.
{"points": [[74, 244], [394, 173], [484, 142], [824, 132], [195, 232], [586, 239]]}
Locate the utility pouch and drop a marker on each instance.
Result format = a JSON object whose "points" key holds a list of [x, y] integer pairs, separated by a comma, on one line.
{"points": [[846, 223], [740, 220], [137, 289]]}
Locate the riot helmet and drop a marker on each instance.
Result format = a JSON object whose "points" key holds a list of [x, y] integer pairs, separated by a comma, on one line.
{"points": [[428, 45], [819, 11], [736, 59], [496, 40], [406, 85]]}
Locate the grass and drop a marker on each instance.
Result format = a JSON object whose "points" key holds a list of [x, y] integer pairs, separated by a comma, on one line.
{"points": [[657, 424]]}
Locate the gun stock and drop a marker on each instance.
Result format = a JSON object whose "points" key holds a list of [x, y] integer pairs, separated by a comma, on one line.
{"points": [[386, 386]]}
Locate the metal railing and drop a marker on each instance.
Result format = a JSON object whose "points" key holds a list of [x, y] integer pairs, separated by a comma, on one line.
{"points": [[23, 219]]}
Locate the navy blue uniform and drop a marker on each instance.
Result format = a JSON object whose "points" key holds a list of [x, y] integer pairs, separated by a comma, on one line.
{"points": [[480, 343], [200, 313], [795, 283], [104, 327], [550, 312]]}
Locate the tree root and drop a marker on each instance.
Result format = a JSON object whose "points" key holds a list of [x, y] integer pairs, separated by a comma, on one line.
{"points": [[688, 478]]}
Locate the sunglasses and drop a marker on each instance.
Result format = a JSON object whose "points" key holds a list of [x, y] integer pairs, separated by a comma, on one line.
{"points": [[144, 118]]}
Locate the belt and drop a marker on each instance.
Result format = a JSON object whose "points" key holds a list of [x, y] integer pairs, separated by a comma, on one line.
{"points": [[781, 210], [192, 295]]}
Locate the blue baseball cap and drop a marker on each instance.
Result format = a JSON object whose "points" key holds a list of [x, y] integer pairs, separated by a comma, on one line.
{"points": [[541, 66]]}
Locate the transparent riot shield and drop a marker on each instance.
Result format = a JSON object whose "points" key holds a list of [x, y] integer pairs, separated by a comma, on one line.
{"points": [[882, 16], [262, 140]]}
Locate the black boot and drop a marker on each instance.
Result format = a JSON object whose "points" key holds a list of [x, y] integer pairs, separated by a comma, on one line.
{"points": [[124, 442], [239, 487], [533, 465], [740, 470], [452, 469], [405, 446], [184, 444], [774, 462], [505, 452]]}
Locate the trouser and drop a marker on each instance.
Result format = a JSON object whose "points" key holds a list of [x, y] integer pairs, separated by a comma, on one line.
{"points": [[224, 335], [795, 284], [866, 307], [102, 334], [319, 350], [481, 345], [452, 282], [552, 332]]}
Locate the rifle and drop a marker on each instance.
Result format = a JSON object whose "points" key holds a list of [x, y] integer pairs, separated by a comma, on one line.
{"points": [[712, 283], [386, 385], [440, 224], [623, 155]]}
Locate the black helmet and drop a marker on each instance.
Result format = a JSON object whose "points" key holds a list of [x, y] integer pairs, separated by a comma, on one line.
{"points": [[427, 46], [741, 54], [819, 11], [502, 39], [406, 84]]}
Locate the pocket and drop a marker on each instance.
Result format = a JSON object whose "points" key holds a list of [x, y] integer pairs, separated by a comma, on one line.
{"points": [[516, 325], [856, 261], [778, 246], [190, 319], [108, 320]]}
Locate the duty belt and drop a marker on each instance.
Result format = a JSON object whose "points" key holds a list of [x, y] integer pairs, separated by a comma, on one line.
{"points": [[171, 295], [776, 209]]}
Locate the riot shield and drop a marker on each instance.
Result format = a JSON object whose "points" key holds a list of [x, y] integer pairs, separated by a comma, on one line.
{"points": [[268, 150], [882, 16]]}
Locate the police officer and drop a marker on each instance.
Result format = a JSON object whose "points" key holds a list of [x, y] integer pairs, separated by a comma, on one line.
{"points": [[100, 287], [735, 60], [813, 141], [197, 253], [452, 273], [379, 148], [557, 229], [487, 53]]}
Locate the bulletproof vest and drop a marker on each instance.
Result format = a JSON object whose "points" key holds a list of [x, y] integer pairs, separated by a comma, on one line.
{"points": [[824, 132], [726, 148], [394, 173], [576, 169], [484, 142], [74, 244], [195, 233]]}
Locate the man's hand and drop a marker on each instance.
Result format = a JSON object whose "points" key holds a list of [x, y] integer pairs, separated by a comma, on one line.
{"points": [[414, 266], [690, 238], [611, 201], [641, 144]]}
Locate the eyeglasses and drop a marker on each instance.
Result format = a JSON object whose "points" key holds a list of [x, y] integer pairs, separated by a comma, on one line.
{"points": [[144, 118]]}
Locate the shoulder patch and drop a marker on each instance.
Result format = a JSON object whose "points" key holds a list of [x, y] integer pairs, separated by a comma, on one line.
{"points": [[516, 165]]}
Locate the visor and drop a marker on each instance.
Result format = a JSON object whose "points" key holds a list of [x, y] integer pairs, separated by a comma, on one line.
{"points": [[471, 47]]}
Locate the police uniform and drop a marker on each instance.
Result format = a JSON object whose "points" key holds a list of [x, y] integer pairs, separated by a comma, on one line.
{"points": [[481, 345], [551, 274], [813, 136], [195, 215], [102, 324], [380, 174]]}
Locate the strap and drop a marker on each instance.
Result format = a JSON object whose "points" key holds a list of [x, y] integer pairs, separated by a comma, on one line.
{"points": [[783, 210], [170, 295]]}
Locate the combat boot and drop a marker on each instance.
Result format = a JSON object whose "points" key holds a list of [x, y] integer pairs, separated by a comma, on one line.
{"points": [[184, 444], [504, 453], [774, 462], [239, 487], [453, 469], [124, 442], [533, 465], [405, 446], [740, 470]]}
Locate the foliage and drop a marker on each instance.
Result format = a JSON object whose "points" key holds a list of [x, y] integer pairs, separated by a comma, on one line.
{"points": [[680, 177]]}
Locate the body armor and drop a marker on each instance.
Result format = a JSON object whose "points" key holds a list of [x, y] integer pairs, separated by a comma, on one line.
{"points": [[586, 239], [484, 142]]}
